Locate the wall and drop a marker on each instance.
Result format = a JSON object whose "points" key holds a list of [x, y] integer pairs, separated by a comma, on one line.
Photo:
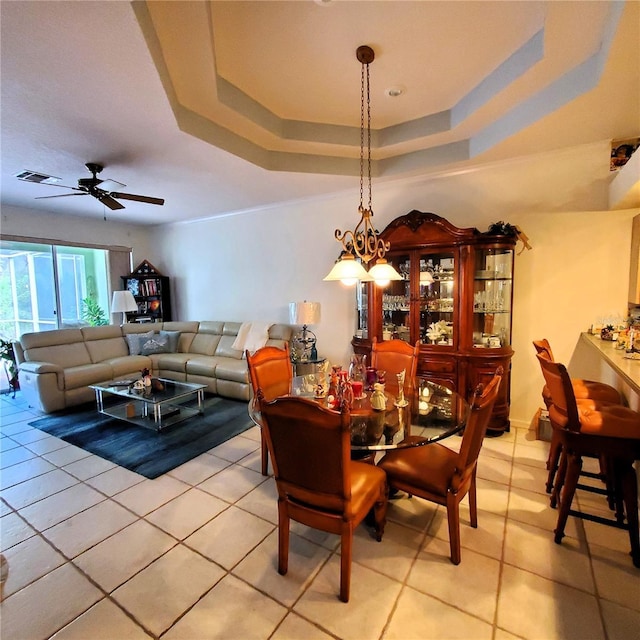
{"points": [[249, 266]]}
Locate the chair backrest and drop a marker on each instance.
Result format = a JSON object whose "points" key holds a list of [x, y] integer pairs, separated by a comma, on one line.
{"points": [[479, 414], [563, 411], [543, 346], [310, 450], [270, 370], [394, 356]]}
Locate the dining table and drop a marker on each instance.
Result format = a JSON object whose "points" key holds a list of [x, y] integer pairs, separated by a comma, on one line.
{"points": [[430, 411]]}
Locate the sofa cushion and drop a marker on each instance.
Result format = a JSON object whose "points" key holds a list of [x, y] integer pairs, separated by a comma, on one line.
{"points": [[65, 355], [230, 369], [204, 344], [75, 377], [225, 348], [174, 337], [135, 340], [172, 361], [187, 331], [101, 350], [201, 366], [129, 366]]}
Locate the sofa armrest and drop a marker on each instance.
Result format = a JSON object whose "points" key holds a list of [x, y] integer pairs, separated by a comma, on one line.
{"points": [[41, 367]]}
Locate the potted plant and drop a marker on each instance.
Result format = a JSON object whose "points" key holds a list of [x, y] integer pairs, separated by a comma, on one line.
{"points": [[8, 357]]}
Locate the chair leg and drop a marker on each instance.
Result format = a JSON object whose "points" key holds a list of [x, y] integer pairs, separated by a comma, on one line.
{"points": [[264, 454], [574, 466], [345, 562], [283, 537], [629, 485], [555, 450], [559, 480], [380, 517], [453, 518], [473, 502]]}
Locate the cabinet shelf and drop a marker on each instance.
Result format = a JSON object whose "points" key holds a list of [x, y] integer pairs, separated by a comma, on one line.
{"points": [[468, 298], [151, 291]]}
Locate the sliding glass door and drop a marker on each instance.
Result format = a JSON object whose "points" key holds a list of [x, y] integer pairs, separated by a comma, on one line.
{"points": [[45, 287]]}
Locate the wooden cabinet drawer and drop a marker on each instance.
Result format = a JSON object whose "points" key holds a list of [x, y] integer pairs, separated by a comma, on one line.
{"points": [[436, 365]]}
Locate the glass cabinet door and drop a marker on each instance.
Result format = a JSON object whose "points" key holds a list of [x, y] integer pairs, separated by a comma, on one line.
{"points": [[492, 293], [396, 301], [436, 296], [362, 310]]}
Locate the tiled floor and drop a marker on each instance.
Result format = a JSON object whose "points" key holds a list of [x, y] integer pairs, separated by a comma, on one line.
{"points": [[96, 551]]}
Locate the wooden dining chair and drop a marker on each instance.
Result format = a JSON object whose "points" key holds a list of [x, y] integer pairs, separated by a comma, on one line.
{"points": [[270, 370], [318, 483], [438, 474], [392, 357], [589, 393], [611, 432]]}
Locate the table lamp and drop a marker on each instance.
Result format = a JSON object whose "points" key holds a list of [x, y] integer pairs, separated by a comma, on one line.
{"points": [[122, 302], [304, 342]]}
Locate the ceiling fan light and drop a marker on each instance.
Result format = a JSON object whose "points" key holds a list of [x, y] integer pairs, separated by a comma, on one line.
{"points": [[348, 270], [383, 273]]}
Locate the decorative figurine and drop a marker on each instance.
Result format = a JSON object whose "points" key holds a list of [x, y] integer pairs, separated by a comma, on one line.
{"points": [[400, 400], [378, 401]]}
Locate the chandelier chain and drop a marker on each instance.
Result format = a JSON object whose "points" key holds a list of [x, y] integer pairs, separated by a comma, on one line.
{"points": [[368, 138], [362, 133]]}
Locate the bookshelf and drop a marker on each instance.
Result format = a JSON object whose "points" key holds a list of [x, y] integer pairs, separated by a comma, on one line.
{"points": [[152, 294]]}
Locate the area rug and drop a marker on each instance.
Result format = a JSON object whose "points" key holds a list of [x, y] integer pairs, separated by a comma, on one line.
{"points": [[144, 450]]}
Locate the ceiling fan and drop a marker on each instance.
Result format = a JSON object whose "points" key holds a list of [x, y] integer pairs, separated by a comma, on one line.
{"points": [[103, 190]]}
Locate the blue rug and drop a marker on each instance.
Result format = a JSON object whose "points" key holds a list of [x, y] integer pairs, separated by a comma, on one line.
{"points": [[144, 450]]}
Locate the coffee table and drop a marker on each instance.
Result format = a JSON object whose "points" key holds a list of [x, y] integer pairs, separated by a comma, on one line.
{"points": [[152, 408]]}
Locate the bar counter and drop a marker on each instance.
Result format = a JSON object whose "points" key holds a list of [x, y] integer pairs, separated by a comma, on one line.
{"points": [[628, 369]]}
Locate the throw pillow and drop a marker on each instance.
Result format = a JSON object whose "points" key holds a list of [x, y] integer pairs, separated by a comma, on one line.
{"points": [[157, 343], [135, 340], [174, 337]]}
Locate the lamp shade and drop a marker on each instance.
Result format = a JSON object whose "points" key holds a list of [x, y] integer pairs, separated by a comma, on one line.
{"points": [[123, 301], [304, 313], [382, 273], [348, 270]]}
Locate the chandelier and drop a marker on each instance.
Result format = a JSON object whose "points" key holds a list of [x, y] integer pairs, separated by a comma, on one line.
{"points": [[363, 242]]}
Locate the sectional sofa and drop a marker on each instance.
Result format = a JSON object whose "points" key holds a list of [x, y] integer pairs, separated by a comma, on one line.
{"points": [[57, 367]]}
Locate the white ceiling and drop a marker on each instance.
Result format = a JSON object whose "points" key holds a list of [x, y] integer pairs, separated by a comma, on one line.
{"points": [[227, 106]]}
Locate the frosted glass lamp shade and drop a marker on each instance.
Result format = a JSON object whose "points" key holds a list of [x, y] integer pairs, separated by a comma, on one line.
{"points": [[122, 302], [304, 313], [348, 270]]}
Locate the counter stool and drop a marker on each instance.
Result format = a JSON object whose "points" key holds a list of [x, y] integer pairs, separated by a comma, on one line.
{"points": [[590, 394], [612, 432]]}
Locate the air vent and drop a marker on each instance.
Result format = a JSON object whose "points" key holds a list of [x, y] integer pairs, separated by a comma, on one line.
{"points": [[39, 178]]}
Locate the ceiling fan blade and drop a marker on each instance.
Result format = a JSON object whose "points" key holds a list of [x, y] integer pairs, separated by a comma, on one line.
{"points": [[62, 195], [132, 196], [111, 185], [110, 202]]}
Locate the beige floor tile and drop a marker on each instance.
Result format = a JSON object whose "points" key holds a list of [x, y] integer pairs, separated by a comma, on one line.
{"points": [[86, 529], [411, 512], [235, 449], [199, 469], [30, 491], [533, 549], [369, 606], [58, 598], [501, 634], [13, 530], [616, 578], [47, 445], [533, 508], [492, 496], [15, 455], [254, 433], [605, 536], [260, 568], [532, 453], [394, 555], [27, 435], [23, 471], [232, 609], [254, 462], [494, 469], [28, 561], [148, 495], [486, 539], [186, 513], [122, 555], [421, 617], [104, 621], [232, 483], [525, 476], [500, 446], [219, 539], [159, 594], [60, 506], [329, 541], [115, 480], [621, 623], [533, 607], [88, 467], [293, 627], [262, 501], [65, 455], [471, 586]]}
